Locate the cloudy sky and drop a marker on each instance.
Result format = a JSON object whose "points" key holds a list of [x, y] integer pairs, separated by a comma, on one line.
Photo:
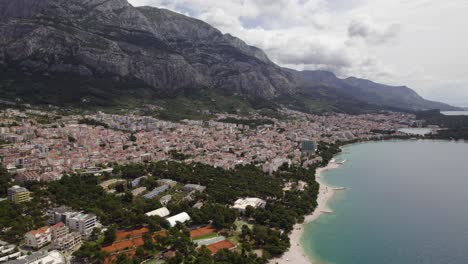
{"points": [[419, 43]]}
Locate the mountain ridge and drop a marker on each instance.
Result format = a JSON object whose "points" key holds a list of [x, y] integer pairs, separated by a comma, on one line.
{"points": [[156, 50]]}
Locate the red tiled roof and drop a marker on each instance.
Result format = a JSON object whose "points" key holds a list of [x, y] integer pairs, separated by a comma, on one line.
{"points": [[41, 230], [57, 225]]}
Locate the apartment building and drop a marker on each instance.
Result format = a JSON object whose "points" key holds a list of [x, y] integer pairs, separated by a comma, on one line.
{"points": [[17, 194], [38, 238]]}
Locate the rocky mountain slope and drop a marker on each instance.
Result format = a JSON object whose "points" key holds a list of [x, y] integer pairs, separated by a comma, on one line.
{"points": [[368, 91], [83, 50], [111, 38]]}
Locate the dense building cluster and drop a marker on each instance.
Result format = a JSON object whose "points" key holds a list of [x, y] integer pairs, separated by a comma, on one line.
{"points": [[45, 152]]}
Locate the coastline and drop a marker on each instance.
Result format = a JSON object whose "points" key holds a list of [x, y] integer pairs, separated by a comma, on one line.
{"points": [[296, 253]]}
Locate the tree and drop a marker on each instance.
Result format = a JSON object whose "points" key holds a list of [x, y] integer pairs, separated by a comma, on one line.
{"points": [[95, 234], [5, 181], [110, 234]]}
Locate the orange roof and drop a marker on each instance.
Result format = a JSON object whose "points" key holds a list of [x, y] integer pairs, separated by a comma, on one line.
{"points": [[41, 230], [225, 244], [202, 231], [57, 225]]}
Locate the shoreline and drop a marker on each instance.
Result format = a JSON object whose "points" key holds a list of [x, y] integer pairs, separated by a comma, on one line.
{"points": [[296, 253]]}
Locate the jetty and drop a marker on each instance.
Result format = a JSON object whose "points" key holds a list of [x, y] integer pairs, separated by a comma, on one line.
{"points": [[340, 188]]}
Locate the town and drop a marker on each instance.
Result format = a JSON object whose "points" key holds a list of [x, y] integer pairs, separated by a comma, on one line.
{"points": [[164, 172]]}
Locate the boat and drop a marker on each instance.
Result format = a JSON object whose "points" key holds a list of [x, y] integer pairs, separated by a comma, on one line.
{"points": [[341, 162]]}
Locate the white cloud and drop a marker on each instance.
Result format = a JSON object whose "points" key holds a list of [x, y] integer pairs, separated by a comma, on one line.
{"points": [[391, 41]]}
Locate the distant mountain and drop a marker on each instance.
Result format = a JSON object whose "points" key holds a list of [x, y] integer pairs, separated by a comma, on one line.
{"points": [[370, 92], [107, 51], [112, 39]]}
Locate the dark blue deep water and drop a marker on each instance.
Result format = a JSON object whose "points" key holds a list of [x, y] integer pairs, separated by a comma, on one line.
{"points": [[407, 203]]}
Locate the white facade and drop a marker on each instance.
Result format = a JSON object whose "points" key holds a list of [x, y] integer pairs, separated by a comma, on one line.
{"points": [[82, 223], [241, 204], [52, 257], [38, 238], [161, 212], [69, 241], [181, 218]]}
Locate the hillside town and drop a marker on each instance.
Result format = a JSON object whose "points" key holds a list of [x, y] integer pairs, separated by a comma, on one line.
{"points": [[37, 152], [45, 152]]}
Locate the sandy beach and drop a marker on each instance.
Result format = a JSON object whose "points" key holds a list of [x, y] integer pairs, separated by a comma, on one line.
{"points": [[296, 254]]}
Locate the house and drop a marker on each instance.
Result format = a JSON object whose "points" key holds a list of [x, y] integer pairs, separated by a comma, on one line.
{"points": [[155, 192], [169, 182], [165, 199], [58, 214], [82, 223], [194, 187], [18, 194], [52, 257], [180, 218], [138, 191], [8, 252], [136, 182], [27, 176], [63, 239], [308, 147], [38, 238], [106, 185], [68, 241], [59, 230], [161, 212], [243, 203]]}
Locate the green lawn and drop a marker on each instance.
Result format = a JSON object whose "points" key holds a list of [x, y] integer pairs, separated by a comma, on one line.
{"points": [[208, 236]]}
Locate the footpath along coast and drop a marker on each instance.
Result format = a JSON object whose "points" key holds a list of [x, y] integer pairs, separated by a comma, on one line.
{"points": [[296, 253]]}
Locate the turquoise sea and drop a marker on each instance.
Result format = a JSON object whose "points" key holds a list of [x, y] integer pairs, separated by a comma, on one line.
{"points": [[407, 202]]}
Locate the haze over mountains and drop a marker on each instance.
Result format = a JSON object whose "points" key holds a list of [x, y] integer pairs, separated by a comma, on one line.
{"points": [[106, 48]]}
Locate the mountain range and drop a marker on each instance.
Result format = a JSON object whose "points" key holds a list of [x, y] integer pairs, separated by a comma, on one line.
{"points": [[100, 51]]}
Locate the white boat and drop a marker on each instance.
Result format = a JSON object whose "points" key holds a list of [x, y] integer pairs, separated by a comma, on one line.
{"points": [[341, 162]]}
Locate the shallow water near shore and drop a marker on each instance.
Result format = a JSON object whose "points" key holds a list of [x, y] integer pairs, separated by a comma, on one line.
{"points": [[406, 203]]}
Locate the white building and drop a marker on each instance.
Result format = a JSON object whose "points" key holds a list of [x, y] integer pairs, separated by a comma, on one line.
{"points": [[241, 204], [69, 241], [8, 251], [161, 212], [38, 238], [52, 257], [82, 223], [194, 187], [63, 239], [180, 218]]}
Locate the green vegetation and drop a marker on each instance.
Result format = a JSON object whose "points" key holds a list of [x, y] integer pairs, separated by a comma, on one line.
{"points": [[178, 155], [213, 235], [268, 229], [434, 117], [455, 133], [92, 122], [248, 122], [456, 126], [5, 181], [17, 219]]}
